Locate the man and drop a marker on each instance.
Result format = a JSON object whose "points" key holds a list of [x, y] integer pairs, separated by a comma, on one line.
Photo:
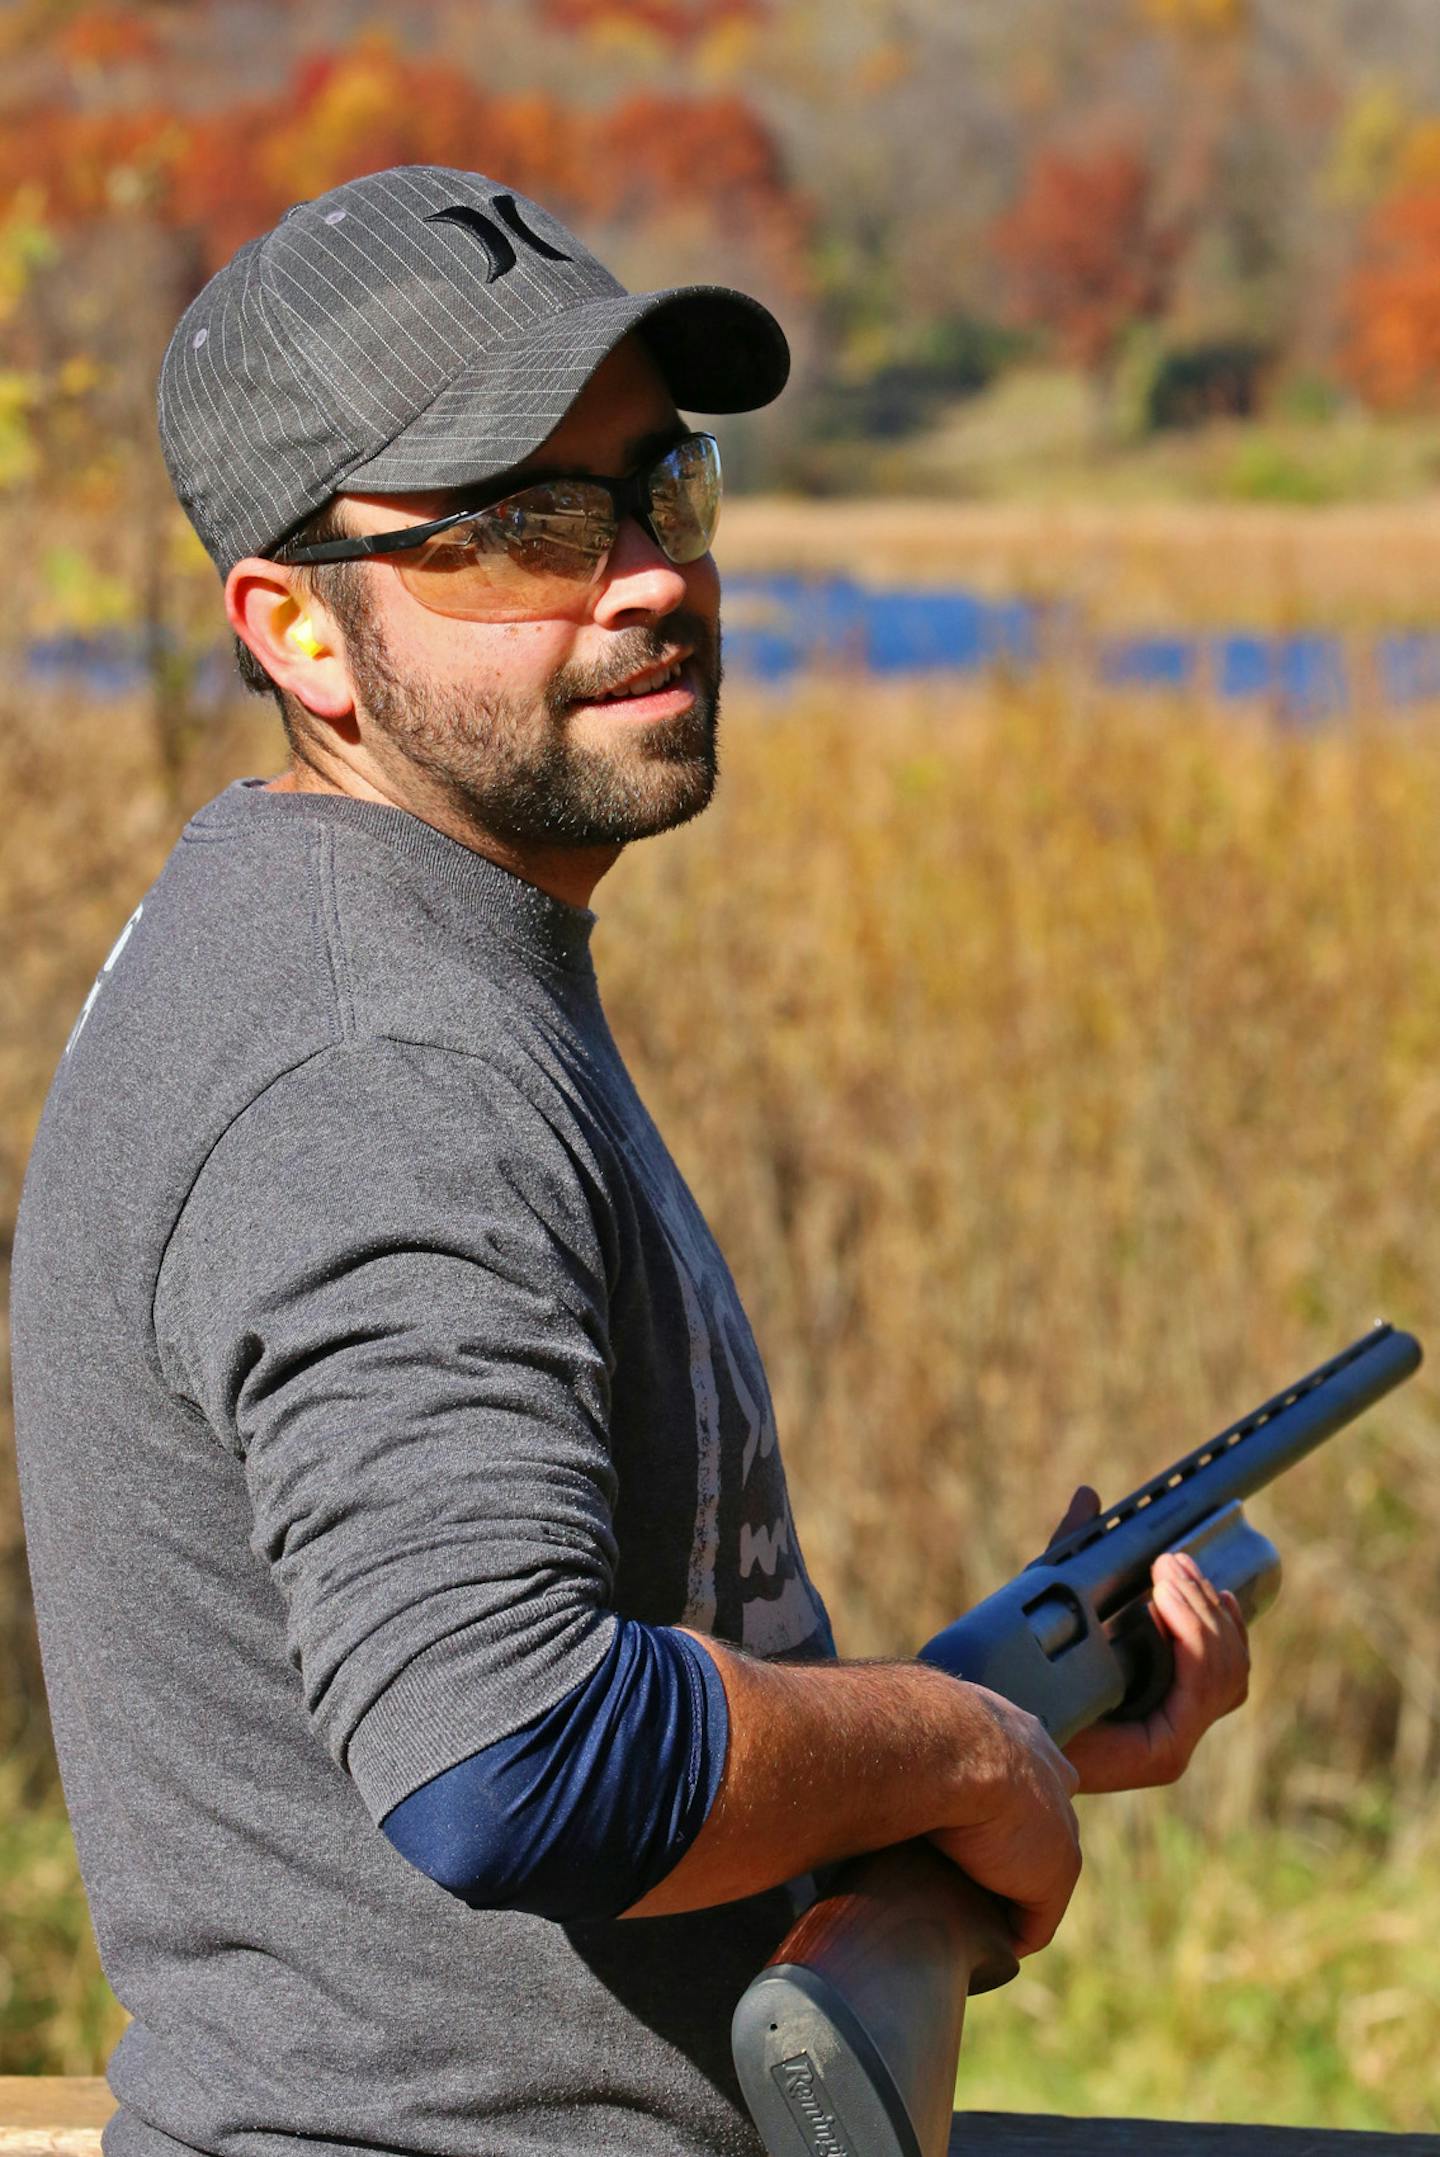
{"points": [[441, 1697]]}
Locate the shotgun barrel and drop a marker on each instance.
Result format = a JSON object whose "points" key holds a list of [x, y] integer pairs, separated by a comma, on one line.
{"points": [[1071, 1637], [847, 2043]]}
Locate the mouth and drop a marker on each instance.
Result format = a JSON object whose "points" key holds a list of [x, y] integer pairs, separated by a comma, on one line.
{"points": [[659, 692]]}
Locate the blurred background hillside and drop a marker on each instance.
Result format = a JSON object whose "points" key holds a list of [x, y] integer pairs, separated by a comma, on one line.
{"points": [[1066, 969], [1188, 246]]}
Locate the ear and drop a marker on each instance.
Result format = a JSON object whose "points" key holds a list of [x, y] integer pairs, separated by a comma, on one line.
{"points": [[294, 639]]}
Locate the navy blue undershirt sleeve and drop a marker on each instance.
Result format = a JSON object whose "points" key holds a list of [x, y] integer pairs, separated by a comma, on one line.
{"points": [[580, 1813]]}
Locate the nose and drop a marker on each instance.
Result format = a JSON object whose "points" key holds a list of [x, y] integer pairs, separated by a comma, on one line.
{"points": [[639, 578]]}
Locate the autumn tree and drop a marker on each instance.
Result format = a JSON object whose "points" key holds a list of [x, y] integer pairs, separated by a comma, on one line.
{"points": [[677, 24], [228, 174], [1197, 19], [1087, 254], [1391, 349]]}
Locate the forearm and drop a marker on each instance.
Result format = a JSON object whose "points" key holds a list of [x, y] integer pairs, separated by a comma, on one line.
{"points": [[826, 1760]]}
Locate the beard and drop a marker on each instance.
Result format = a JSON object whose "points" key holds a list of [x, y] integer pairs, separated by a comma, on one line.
{"points": [[513, 767]]}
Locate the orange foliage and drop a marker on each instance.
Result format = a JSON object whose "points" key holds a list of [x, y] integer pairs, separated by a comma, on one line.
{"points": [[1392, 305], [107, 36], [1086, 252], [1419, 157], [84, 162], [228, 175], [678, 23], [651, 151], [1198, 18]]}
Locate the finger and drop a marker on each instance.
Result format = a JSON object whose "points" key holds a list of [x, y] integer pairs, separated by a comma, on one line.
{"points": [[1033, 1928], [1083, 1507], [1202, 1642], [1210, 1646], [1223, 1619], [1195, 1578], [1034, 1924], [1189, 1603], [1180, 1606]]}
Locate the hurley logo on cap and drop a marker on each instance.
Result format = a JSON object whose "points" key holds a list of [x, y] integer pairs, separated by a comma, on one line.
{"points": [[497, 247]]}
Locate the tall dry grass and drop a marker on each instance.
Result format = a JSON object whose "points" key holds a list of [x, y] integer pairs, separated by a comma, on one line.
{"points": [[1061, 1075], [1150, 565]]}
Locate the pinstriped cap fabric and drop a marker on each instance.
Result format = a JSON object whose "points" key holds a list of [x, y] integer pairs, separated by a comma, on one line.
{"points": [[414, 329]]}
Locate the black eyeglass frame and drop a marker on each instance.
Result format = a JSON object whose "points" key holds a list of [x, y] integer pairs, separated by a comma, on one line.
{"points": [[629, 497]]}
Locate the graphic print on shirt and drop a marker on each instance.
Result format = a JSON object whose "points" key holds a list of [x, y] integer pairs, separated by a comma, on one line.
{"points": [[100, 979], [779, 1610]]}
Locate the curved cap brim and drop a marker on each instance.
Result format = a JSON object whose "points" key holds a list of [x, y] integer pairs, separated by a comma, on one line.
{"points": [[718, 349]]}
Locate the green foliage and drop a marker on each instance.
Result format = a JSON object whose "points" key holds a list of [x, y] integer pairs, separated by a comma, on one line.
{"points": [[78, 595], [933, 366], [20, 396], [57, 2014], [1039, 434], [1369, 143], [1196, 383], [1265, 470], [26, 245], [1281, 1977], [1307, 399]]}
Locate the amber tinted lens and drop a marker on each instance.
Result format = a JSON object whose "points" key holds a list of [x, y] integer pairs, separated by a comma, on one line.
{"points": [[530, 554], [518, 560], [685, 498]]}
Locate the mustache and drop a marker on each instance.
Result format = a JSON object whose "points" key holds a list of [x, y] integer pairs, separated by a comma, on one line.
{"points": [[631, 651]]}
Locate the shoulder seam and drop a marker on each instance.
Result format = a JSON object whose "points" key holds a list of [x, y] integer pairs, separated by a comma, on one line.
{"points": [[329, 935]]}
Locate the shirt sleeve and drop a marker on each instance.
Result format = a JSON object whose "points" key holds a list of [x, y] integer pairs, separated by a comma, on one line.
{"points": [[388, 1294], [581, 1812]]}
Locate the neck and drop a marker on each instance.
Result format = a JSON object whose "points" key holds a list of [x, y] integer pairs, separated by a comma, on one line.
{"points": [[568, 873]]}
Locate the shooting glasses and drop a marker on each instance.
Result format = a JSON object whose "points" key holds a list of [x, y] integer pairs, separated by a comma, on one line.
{"points": [[519, 553]]}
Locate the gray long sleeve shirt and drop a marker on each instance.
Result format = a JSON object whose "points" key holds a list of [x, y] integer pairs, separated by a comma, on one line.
{"points": [[371, 1359]]}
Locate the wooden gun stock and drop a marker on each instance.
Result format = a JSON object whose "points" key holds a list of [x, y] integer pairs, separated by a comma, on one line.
{"points": [[846, 2043]]}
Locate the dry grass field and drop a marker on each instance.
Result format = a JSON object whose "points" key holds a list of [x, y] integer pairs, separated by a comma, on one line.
{"points": [[1153, 565], [1061, 1074]]}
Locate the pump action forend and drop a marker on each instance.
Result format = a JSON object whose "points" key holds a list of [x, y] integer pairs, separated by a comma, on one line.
{"points": [[847, 2043], [1071, 1638]]}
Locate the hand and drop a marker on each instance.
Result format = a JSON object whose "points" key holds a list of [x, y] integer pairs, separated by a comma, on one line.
{"points": [[1016, 1832], [1212, 1675]]}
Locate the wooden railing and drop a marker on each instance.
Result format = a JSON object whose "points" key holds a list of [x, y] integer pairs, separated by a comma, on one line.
{"points": [[53, 2115], [62, 2116]]}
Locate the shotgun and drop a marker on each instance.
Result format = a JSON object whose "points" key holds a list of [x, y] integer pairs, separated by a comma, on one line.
{"points": [[847, 2043]]}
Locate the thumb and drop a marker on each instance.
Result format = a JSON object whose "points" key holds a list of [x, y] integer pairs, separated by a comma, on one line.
{"points": [[1082, 1507]]}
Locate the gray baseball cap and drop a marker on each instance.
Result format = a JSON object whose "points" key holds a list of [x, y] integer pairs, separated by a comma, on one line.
{"points": [[414, 329]]}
